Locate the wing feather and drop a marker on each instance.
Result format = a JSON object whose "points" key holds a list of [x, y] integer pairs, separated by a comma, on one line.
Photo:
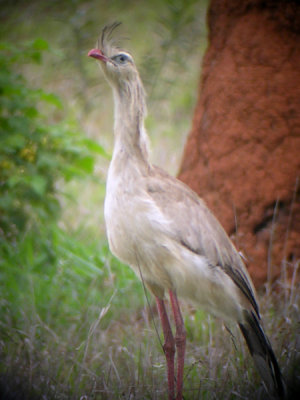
{"points": [[195, 227]]}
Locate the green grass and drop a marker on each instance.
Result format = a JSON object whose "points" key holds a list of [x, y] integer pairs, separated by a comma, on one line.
{"points": [[74, 322], [83, 327], [92, 334]]}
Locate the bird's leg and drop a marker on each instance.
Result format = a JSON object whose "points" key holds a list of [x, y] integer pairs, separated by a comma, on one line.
{"points": [[180, 339], [169, 346]]}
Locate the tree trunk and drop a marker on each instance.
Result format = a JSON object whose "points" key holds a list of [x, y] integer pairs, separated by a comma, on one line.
{"points": [[242, 155]]}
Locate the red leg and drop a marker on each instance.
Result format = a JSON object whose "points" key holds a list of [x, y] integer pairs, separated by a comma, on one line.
{"points": [[169, 346], [180, 339]]}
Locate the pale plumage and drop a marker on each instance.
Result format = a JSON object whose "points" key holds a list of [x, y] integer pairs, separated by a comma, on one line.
{"points": [[165, 232]]}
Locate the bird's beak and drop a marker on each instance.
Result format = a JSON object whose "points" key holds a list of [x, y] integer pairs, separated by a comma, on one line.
{"points": [[96, 53]]}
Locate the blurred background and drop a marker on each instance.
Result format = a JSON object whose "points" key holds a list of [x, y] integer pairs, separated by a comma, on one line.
{"points": [[69, 310], [74, 322]]}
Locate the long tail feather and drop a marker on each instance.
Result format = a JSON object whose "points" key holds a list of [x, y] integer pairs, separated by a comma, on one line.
{"points": [[263, 355]]}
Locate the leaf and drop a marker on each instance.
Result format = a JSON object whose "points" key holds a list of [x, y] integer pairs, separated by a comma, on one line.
{"points": [[14, 180], [96, 148], [38, 183], [13, 141], [51, 99], [31, 112], [46, 160], [86, 164], [40, 44], [36, 56]]}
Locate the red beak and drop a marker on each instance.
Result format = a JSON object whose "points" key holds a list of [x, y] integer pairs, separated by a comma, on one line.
{"points": [[96, 53]]}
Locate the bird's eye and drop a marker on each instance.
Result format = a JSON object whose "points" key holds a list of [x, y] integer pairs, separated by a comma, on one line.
{"points": [[121, 58]]}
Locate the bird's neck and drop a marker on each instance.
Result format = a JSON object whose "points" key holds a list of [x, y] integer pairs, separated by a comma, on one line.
{"points": [[129, 130]]}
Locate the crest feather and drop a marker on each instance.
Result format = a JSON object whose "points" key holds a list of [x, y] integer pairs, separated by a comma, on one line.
{"points": [[106, 41]]}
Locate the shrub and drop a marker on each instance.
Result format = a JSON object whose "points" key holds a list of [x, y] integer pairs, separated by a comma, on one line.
{"points": [[35, 153]]}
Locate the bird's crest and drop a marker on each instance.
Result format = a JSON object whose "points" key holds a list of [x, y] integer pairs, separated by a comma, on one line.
{"points": [[106, 41]]}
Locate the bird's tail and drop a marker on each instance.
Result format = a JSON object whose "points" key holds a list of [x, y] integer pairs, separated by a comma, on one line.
{"points": [[263, 355]]}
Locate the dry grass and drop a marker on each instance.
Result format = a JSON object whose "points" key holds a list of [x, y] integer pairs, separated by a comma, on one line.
{"points": [[119, 356]]}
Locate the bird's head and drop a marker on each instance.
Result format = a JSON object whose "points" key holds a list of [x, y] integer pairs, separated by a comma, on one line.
{"points": [[118, 65]]}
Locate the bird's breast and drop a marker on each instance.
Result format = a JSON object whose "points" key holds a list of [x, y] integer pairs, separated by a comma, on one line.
{"points": [[135, 228], [126, 212]]}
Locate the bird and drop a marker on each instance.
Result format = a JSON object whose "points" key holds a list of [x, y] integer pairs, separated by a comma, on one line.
{"points": [[166, 233]]}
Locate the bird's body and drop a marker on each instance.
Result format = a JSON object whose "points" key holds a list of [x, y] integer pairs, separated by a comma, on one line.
{"points": [[172, 242], [166, 233]]}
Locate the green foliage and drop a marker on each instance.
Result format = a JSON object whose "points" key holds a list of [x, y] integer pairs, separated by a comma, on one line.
{"points": [[58, 278], [68, 301], [36, 154]]}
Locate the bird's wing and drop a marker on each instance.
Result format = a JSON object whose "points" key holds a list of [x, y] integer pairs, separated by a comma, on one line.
{"points": [[194, 226]]}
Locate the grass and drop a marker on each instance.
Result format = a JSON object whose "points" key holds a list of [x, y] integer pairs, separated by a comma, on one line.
{"points": [[75, 323], [85, 330]]}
